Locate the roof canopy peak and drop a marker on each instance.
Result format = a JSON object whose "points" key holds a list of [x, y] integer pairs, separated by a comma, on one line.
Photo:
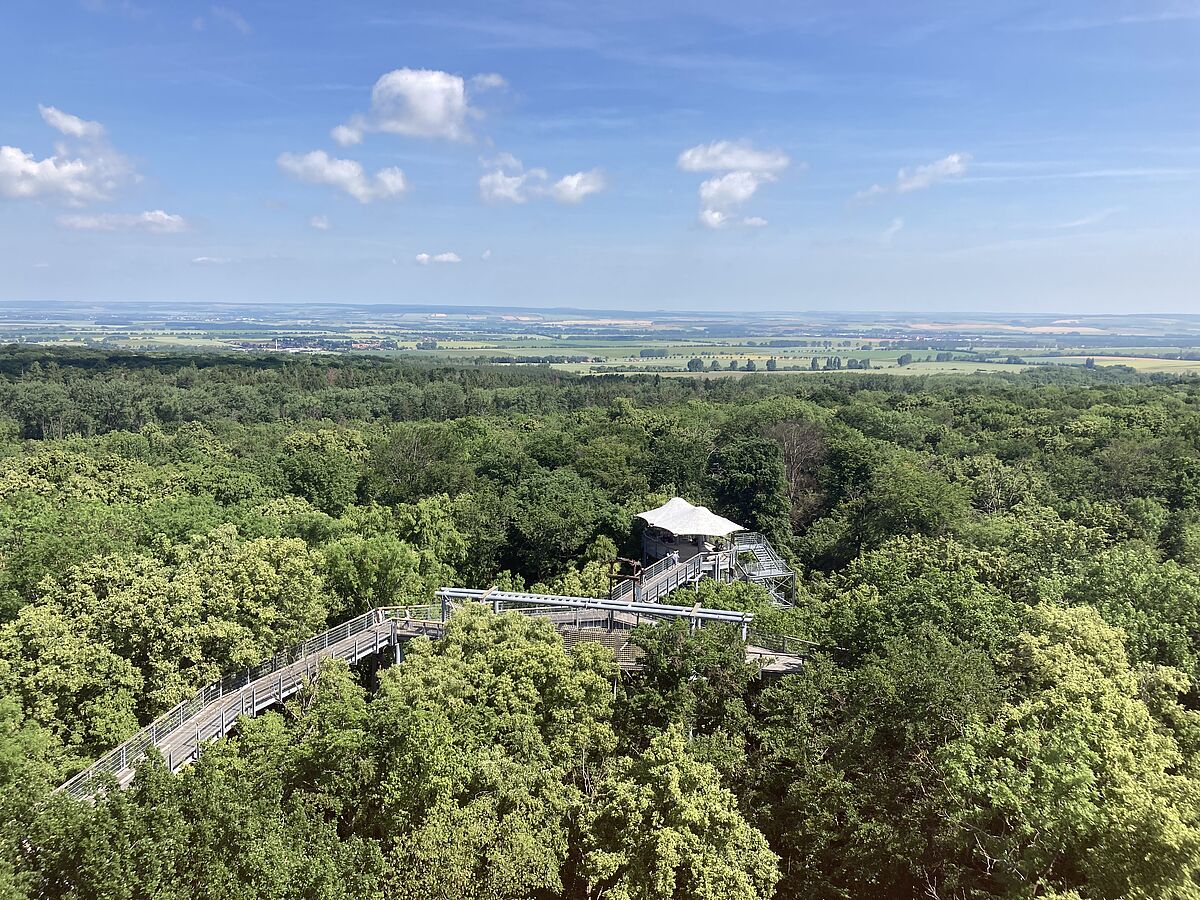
{"points": [[682, 518]]}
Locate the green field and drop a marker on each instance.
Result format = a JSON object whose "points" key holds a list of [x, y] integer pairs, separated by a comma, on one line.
{"points": [[593, 343]]}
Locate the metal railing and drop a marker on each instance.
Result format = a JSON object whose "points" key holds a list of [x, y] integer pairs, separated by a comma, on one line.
{"points": [[781, 643], [520, 601], [210, 713], [169, 723], [766, 559], [665, 576]]}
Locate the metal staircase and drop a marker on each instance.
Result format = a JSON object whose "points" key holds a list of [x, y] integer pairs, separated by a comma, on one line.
{"points": [[749, 558], [756, 560]]}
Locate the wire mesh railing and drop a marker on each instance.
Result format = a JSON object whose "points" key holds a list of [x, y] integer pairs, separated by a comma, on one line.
{"points": [[781, 643], [169, 723], [211, 711]]}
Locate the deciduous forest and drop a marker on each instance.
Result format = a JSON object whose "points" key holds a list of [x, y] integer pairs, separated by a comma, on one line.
{"points": [[1002, 576]]}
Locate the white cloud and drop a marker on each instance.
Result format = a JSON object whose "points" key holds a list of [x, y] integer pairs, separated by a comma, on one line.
{"points": [[498, 187], [71, 126], [926, 176], [233, 18], [505, 161], [868, 194], [72, 180], [745, 169], [346, 135], [510, 182], [449, 256], [416, 102], [486, 255], [321, 223], [347, 175], [573, 188], [892, 230], [156, 221], [488, 81], [1094, 219], [211, 261], [731, 189], [90, 171], [920, 178], [724, 156]]}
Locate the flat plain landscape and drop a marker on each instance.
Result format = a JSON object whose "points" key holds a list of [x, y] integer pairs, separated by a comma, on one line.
{"points": [[620, 342]]}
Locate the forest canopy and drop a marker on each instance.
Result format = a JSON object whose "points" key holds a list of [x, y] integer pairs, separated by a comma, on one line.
{"points": [[1002, 575]]}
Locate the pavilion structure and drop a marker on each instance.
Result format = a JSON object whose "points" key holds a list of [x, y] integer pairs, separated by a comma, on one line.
{"points": [[679, 527], [683, 543]]}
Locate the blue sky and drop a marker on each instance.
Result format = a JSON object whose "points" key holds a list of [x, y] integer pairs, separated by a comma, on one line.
{"points": [[775, 156]]}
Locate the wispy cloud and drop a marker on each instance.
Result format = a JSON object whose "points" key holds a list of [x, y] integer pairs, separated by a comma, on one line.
{"points": [[71, 126], [891, 231], [232, 18], [920, 177], [1147, 15], [1094, 219], [1133, 174], [724, 156], [424, 259], [155, 221], [318, 167]]}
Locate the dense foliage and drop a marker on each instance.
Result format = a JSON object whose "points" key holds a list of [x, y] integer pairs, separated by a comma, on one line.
{"points": [[1004, 575]]}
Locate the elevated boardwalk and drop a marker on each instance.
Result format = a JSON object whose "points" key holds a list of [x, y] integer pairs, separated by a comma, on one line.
{"points": [[180, 734]]}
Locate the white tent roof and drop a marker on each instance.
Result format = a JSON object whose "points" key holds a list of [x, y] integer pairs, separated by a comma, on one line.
{"points": [[680, 517]]}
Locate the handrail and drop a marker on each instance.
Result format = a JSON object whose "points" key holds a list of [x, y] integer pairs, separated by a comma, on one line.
{"points": [[649, 573], [781, 643], [152, 735], [424, 619], [511, 599], [665, 575], [671, 578]]}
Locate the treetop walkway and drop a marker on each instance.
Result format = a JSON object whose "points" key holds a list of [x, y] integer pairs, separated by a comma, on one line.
{"points": [[180, 733]]}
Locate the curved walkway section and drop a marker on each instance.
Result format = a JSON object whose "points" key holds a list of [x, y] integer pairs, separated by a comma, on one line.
{"points": [[180, 734]]}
